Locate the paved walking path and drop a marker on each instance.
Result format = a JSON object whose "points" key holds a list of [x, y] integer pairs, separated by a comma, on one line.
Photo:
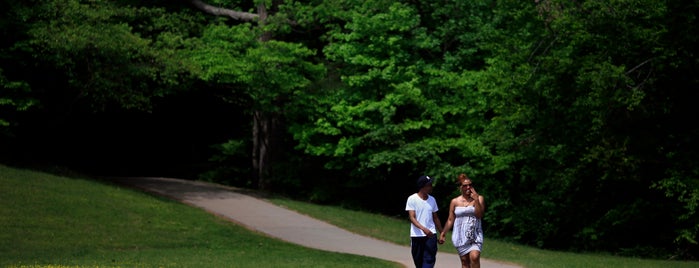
{"points": [[281, 223]]}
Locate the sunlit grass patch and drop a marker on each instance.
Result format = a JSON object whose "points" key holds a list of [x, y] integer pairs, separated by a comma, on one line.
{"points": [[54, 221]]}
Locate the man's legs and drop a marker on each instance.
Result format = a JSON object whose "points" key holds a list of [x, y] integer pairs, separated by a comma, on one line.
{"points": [[430, 252], [417, 247]]}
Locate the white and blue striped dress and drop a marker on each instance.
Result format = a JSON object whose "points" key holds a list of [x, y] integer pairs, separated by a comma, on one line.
{"points": [[467, 234]]}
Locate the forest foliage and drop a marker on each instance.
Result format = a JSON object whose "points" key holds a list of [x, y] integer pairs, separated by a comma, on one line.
{"points": [[573, 118]]}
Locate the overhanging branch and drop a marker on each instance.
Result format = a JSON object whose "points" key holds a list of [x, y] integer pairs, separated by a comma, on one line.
{"points": [[237, 15]]}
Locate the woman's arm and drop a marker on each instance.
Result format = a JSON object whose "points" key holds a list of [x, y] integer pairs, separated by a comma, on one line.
{"points": [[450, 220], [479, 204]]}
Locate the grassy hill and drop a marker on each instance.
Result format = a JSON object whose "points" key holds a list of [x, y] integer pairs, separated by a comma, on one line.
{"points": [[54, 221]]}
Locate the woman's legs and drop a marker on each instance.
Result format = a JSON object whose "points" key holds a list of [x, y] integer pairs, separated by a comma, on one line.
{"points": [[471, 257], [474, 258], [465, 262]]}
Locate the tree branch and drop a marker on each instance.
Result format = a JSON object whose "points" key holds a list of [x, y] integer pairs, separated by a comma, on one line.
{"points": [[237, 15]]}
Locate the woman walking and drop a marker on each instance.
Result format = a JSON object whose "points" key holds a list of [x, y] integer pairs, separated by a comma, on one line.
{"points": [[465, 214]]}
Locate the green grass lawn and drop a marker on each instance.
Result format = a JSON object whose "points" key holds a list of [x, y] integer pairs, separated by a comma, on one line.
{"points": [[54, 221]]}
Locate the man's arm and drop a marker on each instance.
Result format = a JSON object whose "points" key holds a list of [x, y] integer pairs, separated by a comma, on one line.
{"points": [[414, 221], [437, 222]]}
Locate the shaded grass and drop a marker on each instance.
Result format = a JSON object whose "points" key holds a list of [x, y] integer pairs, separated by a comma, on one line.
{"points": [[49, 220], [396, 230]]}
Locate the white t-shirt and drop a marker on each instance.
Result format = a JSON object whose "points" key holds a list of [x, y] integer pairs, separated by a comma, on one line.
{"points": [[423, 213]]}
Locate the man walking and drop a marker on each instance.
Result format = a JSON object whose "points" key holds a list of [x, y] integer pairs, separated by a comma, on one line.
{"points": [[424, 224]]}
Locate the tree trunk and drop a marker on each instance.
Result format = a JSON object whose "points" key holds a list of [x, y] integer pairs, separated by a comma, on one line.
{"points": [[264, 129], [263, 149]]}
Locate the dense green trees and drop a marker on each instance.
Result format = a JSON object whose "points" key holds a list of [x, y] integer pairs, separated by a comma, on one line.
{"points": [[584, 120], [581, 106], [569, 115]]}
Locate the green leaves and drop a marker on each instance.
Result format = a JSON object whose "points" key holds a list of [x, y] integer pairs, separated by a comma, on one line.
{"points": [[15, 96], [569, 96], [220, 52], [98, 50], [267, 72]]}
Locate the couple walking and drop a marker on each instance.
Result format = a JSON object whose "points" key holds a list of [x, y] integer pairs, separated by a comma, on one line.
{"points": [[465, 214]]}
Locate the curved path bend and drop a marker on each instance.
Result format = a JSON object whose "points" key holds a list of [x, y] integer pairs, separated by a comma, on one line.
{"points": [[265, 217]]}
